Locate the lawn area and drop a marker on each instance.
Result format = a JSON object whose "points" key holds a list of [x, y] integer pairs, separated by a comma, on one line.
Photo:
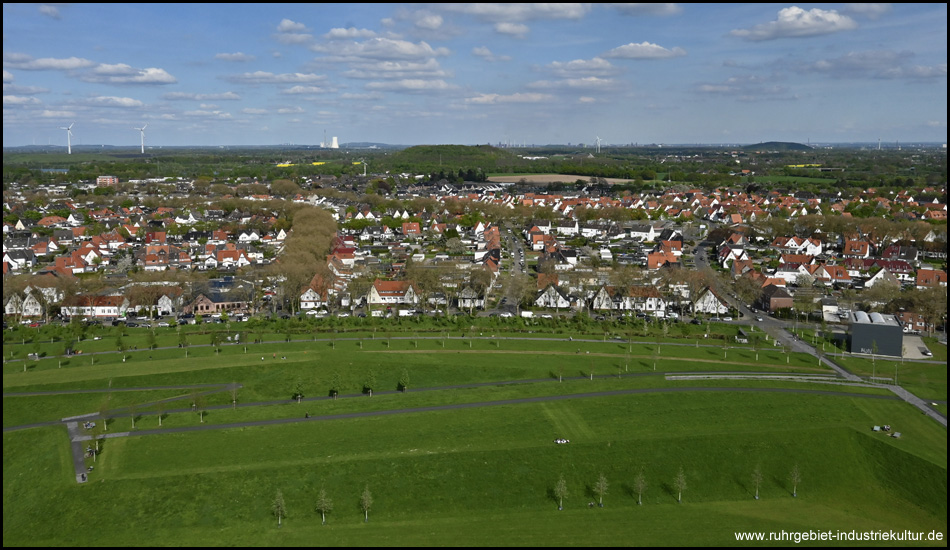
{"points": [[926, 380], [480, 474], [485, 476]]}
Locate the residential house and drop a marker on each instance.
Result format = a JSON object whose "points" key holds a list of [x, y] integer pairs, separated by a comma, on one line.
{"points": [[216, 302], [552, 297], [95, 306], [774, 298], [469, 299], [392, 293], [929, 278], [710, 302]]}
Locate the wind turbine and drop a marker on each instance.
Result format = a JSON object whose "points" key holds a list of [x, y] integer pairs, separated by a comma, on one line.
{"points": [[69, 135], [142, 131]]}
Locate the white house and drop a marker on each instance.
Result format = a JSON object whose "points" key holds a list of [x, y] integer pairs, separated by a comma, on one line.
{"points": [[391, 293], [711, 303], [552, 297]]}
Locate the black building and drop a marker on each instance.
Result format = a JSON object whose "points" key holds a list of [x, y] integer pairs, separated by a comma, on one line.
{"points": [[875, 333]]}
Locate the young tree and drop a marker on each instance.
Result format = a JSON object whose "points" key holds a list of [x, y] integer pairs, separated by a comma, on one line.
{"points": [[336, 384], [757, 479], [560, 492], [640, 485], [201, 403], [298, 390], [366, 501], [279, 508], [369, 383], [679, 483], [404, 380], [795, 476], [324, 504], [132, 412], [601, 488], [104, 412]]}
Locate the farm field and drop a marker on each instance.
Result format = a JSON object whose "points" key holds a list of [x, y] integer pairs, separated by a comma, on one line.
{"points": [[467, 455]]}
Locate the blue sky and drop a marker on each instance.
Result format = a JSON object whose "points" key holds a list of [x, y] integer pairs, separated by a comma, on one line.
{"points": [[263, 74]]}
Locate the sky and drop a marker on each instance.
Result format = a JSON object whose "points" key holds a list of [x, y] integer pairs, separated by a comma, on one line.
{"points": [[271, 74]]}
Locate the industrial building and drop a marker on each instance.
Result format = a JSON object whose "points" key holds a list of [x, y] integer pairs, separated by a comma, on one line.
{"points": [[876, 333]]}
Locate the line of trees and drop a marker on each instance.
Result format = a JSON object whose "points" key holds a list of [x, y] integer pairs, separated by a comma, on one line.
{"points": [[679, 485], [323, 505]]}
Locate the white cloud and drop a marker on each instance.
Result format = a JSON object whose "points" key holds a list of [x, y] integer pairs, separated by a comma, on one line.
{"points": [[303, 90], [216, 115], [123, 74], [351, 33], [49, 11], [487, 55], [521, 11], [588, 83], [381, 48], [7, 76], [518, 30], [286, 25], [429, 22], [291, 32], [113, 101], [429, 69], [794, 22], [237, 56], [582, 67], [659, 8], [226, 96], [9, 88], [25, 62], [250, 111], [290, 110], [644, 50], [360, 97], [58, 114], [495, 99], [411, 85], [20, 100], [263, 77]]}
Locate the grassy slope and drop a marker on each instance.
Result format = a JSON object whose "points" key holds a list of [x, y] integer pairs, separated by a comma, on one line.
{"points": [[483, 476]]}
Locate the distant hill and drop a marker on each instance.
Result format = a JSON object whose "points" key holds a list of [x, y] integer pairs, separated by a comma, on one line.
{"points": [[779, 146], [453, 156]]}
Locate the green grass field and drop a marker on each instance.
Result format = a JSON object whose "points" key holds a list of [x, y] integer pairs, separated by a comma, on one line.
{"points": [[479, 475]]}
